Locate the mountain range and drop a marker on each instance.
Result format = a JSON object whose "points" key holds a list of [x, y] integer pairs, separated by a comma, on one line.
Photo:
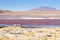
{"points": [[40, 11]]}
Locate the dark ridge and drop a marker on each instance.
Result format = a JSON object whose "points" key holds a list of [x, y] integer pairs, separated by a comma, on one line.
{"points": [[3, 11]]}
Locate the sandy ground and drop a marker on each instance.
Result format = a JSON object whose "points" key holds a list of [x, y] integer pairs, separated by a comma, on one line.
{"points": [[17, 33]]}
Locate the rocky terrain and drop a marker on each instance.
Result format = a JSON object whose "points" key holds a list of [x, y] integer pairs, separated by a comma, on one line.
{"points": [[17, 33]]}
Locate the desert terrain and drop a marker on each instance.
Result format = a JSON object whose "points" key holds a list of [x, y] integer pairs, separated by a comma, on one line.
{"points": [[49, 15], [18, 33]]}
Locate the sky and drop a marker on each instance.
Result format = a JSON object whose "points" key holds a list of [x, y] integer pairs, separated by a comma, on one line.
{"points": [[24, 5]]}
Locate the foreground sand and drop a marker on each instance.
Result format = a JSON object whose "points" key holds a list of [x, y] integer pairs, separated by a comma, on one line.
{"points": [[17, 33]]}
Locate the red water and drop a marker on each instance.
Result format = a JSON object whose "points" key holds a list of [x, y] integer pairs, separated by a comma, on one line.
{"points": [[32, 21]]}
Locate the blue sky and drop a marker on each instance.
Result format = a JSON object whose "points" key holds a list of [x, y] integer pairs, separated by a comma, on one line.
{"points": [[24, 5]]}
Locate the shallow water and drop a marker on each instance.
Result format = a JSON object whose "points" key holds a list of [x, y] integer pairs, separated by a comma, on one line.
{"points": [[30, 26]]}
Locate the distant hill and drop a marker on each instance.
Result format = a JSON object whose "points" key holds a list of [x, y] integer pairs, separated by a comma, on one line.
{"points": [[36, 12], [4, 11], [44, 9]]}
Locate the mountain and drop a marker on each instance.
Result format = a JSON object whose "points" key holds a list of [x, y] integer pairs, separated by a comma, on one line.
{"points": [[4, 11], [40, 11], [44, 9]]}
